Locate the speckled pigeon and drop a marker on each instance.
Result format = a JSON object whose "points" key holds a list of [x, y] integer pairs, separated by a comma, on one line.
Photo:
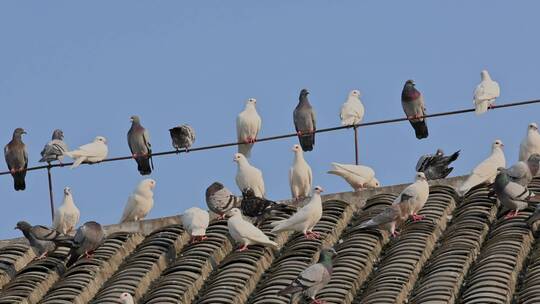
{"points": [[17, 159], [54, 149], [220, 199], [435, 166], [139, 143], [305, 122], [87, 239], [41, 238], [412, 102], [182, 137]]}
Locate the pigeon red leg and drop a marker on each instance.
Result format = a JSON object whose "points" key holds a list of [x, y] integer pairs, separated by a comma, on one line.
{"points": [[395, 233], [89, 254], [417, 217], [315, 301], [42, 256], [511, 214], [243, 248]]}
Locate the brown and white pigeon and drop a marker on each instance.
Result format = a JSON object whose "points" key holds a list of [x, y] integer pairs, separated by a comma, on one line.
{"points": [[305, 122], [17, 159], [248, 125], [139, 143], [219, 199], [412, 102], [182, 137], [54, 149]]}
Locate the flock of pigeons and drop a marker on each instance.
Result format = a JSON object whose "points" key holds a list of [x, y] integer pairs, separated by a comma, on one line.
{"points": [[244, 214]]}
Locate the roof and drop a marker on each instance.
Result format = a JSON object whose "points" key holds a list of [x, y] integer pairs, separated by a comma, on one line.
{"points": [[463, 252]]}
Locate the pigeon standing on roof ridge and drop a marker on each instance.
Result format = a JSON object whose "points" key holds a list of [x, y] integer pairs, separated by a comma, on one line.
{"points": [[513, 196], [219, 199], [486, 171], [247, 176], [86, 240], [41, 238], [300, 175], [140, 202], [436, 166], [531, 143], [357, 176], [305, 121], [245, 232], [413, 198], [258, 207], [412, 102], [138, 140], [126, 298], [182, 137], [195, 220], [54, 149], [93, 152], [16, 157], [389, 219], [67, 215], [523, 171], [485, 93], [352, 111], [248, 125]]}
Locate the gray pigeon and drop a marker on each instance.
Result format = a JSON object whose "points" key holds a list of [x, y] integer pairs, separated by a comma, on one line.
{"points": [[312, 279], [512, 196], [219, 199], [17, 159], [41, 238], [412, 102], [435, 166], [535, 216], [305, 122], [139, 144], [182, 137], [524, 171], [389, 219], [87, 238], [54, 149]]}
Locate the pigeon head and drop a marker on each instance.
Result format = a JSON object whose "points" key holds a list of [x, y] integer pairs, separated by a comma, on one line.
{"points": [[213, 188], [135, 119], [410, 82], [328, 253], [420, 176], [251, 101], [234, 212], [67, 191], [297, 148], [374, 183], [439, 152], [304, 92], [126, 298], [485, 75], [18, 133], [58, 134], [147, 183], [497, 144], [318, 189], [239, 157], [533, 126], [23, 226], [248, 193], [100, 139], [355, 93]]}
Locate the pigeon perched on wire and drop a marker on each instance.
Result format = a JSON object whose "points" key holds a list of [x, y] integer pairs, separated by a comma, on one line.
{"points": [[17, 159], [523, 171], [195, 221], [485, 93], [312, 279], [182, 137], [412, 102], [139, 144], [352, 111], [512, 196], [305, 122], [531, 143], [67, 215], [486, 171], [140, 202], [435, 166], [42, 239], [54, 149], [220, 200], [93, 152], [357, 176], [389, 219], [300, 176], [248, 125], [86, 240], [259, 208], [247, 176], [245, 232]]}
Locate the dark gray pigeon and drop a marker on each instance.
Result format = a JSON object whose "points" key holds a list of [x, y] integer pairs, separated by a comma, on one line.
{"points": [[435, 166], [139, 144], [524, 171], [219, 199], [182, 137], [412, 102], [305, 122], [87, 238], [312, 279], [17, 159], [513, 196], [41, 238], [258, 207], [54, 149]]}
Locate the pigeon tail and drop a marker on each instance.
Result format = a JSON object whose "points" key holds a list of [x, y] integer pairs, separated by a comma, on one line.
{"points": [[143, 165], [18, 181], [454, 156], [307, 142], [278, 225], [73, 257], [77, 162], [481, 107], [420, 128], [367, 224]]}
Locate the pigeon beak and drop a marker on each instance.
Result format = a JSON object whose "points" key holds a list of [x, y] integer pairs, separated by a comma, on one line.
{"points": [[24, 132]]}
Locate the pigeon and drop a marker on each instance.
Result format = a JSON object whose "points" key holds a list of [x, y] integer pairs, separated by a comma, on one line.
{"points": [[248, 125], [512, 196], [245, 232], [312, 279], [305, 218], [305, 122], [66, 216], [412, 102], [535, 216], [126, 298], [352, 111], [140, 202], [17, 159], [86, 240], [182, 137], [220, 200], [41, 238], [485, 93], [139, 144], [93, 152], [435, 166], [531, 143], [486, 171], [524, 171], [359, 177], [390, 218], [195, 221], [54, 149], [413, 198], [248, 176], [258, 207], [300, 176]]}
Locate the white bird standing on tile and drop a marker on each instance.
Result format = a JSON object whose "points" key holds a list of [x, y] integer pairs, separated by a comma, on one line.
{"points": [[248, 125], [305, 218], [195, 221], [300, 175], [413, 198], [245, 232], [126, 298], [352, 111], [486, 171], [140, 202], [248, 176], [485, 93], [93, 152], [67, 215], [531, 143], [359, 177]]}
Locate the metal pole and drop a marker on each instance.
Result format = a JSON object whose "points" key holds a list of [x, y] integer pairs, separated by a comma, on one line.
{"points": [[356, 144], [50, 192]]}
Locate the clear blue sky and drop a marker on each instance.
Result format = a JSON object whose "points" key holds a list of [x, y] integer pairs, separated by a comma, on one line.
{"points": [[86, 68]]}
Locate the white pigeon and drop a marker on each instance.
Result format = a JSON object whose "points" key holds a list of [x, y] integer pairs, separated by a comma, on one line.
{"points": [[305, 218], [245, 232], [531, 143], [485, 93], [140, 202], [248, 125], [248, 176], [352, 111], [93, 152], [300, 175], [126, 298], [486, 171], [357, 176], [414, 197], [67, 215], [195, 221]]}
